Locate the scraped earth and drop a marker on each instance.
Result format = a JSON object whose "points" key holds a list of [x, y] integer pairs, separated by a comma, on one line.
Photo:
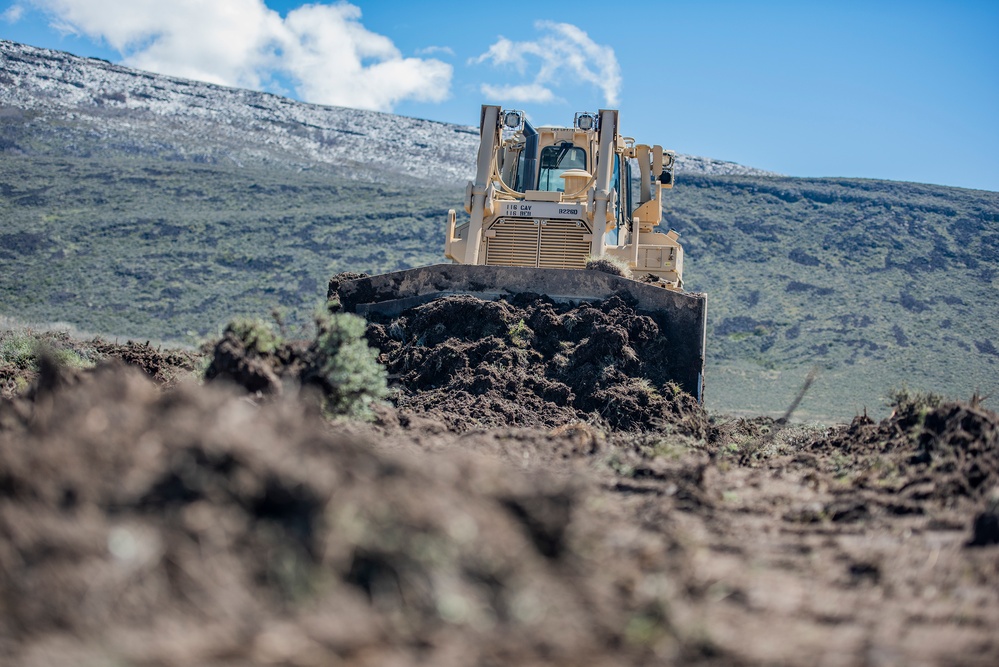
{"points": [[532, 362], [166, 367], [535, 495]]}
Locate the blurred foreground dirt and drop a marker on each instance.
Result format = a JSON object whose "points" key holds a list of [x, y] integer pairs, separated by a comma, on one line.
{"points": [[150, 521]]}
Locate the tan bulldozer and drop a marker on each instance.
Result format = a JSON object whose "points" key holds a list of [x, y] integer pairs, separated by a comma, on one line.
{"points": [[545, 203]]}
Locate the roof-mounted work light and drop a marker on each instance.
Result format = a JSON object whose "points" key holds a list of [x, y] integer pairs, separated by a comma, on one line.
{"points": [[513, 120], [585, 121]]}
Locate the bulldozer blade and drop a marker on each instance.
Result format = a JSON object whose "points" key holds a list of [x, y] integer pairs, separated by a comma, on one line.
{"points": [[682, 316]]}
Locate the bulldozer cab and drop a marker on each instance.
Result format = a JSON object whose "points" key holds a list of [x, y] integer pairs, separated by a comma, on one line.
{"points": [[555, 196], [552, 197]]}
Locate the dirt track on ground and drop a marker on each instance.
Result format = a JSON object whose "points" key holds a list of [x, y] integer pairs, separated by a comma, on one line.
{"points": [[178, 525]]}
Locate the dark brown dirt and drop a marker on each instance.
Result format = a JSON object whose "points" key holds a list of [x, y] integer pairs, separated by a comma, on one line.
{"points": [[532, 362], [473, 364], [947, 453], [193, 527], [144, 525], [165, 366], [255, 372]]}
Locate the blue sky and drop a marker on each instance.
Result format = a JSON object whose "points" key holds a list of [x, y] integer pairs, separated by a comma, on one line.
{"points": [[896, 90]]}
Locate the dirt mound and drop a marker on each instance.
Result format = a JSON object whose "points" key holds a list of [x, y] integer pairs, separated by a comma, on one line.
{"points": [[263, 371], [531, 362], [165, 366], [194, 527], [20, 351], [946, 452], [470, 363]]}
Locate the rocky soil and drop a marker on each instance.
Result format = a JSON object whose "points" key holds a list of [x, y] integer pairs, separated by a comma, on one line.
{"points": [[524, 500]]}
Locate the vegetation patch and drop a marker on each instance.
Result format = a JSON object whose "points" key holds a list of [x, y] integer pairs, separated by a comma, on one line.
{"points": [[346, 366], [338, 361]]}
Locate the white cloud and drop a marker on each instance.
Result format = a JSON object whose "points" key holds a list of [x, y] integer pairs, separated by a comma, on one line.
{"points": [[327, 52], [564, 53], [505, 52], [13, 14], [324, 50], [530, 92], [430, 50]]}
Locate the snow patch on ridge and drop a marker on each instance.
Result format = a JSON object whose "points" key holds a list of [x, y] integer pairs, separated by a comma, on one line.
{"points": [[96, 103]]}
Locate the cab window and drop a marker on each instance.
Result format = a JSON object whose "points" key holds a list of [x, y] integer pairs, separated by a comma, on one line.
{"points": [[554, 161], [621, 184], [613, 237]]}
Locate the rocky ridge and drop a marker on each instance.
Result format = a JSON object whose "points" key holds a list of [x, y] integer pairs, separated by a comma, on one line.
{"points": [[95, 107]]}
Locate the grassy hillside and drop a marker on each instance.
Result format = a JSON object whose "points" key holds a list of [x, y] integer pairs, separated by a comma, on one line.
{"points": [[879, 284], [171, 250]]}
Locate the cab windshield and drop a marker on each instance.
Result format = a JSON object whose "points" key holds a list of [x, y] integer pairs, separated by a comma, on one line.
{"points": [[554, 161]]}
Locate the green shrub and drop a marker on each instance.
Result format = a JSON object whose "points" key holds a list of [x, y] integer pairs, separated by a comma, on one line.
{"points": [[71, 359], [256, 335], [520, 334], [18, 350], [905, 400], [911, 407], [354, 378], [22, 350]]}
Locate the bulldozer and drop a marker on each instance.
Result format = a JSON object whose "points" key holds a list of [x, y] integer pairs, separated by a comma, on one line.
{"points": [[546, 203]]}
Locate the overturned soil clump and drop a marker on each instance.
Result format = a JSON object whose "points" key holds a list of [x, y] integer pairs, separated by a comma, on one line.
{"points": [[529, 361], [945, 454], [165, 366], [472, 364], [258, 372], [22, 349]]}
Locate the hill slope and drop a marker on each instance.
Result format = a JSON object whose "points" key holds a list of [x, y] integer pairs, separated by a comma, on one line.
{"points": [[171, 250], [880, 284]]}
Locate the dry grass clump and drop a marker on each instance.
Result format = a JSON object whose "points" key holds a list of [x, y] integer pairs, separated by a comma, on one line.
{"points": [[607, 264]]}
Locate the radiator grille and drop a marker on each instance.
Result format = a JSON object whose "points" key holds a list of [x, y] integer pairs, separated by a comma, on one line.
{"points": [[563, 245], [550, 244], [515, 242]]}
